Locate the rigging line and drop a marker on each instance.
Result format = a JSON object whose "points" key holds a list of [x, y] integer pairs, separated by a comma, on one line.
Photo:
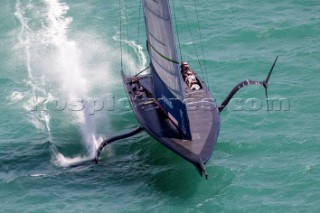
{"points": [[194, 46], [201, 41], [127, 35], [138, 35], [176, 25], [120, 15]]}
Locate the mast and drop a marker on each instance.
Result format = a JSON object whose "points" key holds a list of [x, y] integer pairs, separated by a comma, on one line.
{"points": [[164, 63]]}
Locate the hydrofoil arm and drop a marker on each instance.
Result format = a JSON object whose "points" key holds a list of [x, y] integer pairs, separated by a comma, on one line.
{"points": [[116, 138], [246, 83]]}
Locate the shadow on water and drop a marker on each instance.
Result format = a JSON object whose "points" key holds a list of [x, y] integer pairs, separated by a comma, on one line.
{"points": [[178, 178], [183, 182], [180, 182], [153, 168]]}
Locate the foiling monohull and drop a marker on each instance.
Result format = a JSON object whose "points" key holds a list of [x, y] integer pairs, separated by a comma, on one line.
{"points": [[185, 120]]}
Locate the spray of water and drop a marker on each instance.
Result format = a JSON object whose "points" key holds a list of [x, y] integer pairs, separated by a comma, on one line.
{"points": [[64, 65], [63, 62], [74, 84]]}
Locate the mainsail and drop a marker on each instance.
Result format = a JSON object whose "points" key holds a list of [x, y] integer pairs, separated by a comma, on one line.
{"points": [[164, 62]]}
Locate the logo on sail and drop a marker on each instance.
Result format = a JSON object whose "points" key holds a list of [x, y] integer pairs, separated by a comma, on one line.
{"points": [[167, 101]]}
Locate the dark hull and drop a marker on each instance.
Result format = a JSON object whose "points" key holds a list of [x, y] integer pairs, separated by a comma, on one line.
{"points": [[203, 116]]}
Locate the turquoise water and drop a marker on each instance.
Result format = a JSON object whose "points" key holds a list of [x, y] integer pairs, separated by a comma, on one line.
{"points": [[62, 95]]}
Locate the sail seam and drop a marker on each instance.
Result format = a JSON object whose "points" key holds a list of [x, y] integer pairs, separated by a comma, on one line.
{"points": [[160, 42], [163, 56], [155, 14], [164, 68]]}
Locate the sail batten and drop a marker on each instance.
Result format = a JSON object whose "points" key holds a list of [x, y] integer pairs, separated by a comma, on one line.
{"points": [[156, 14], [163, 55]]}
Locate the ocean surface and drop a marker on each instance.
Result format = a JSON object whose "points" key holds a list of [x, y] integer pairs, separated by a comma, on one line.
{"points": [[61, 95]]}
